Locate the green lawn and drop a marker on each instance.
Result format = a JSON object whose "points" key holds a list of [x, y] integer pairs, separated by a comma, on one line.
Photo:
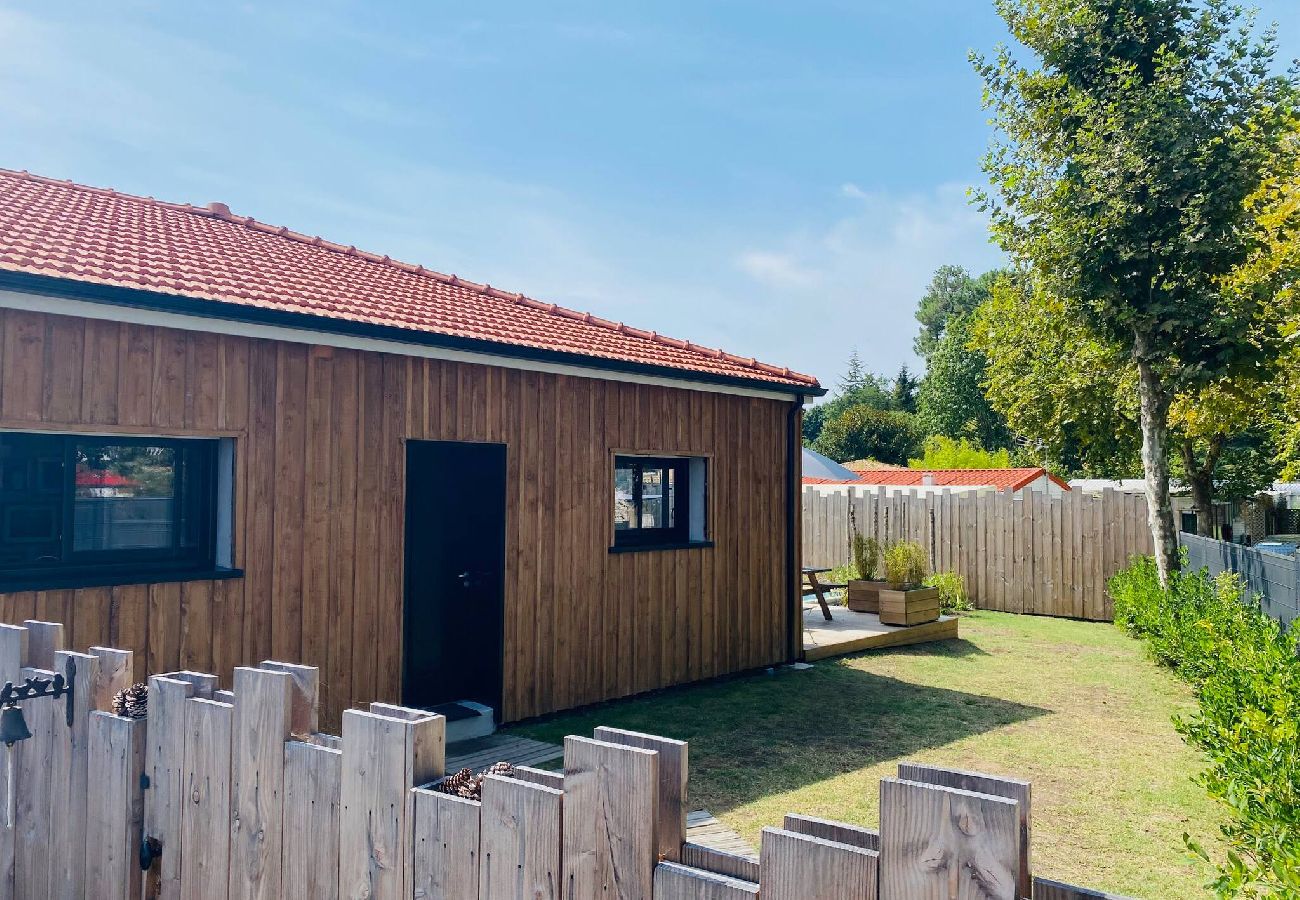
{"points": [[1074, 707]]}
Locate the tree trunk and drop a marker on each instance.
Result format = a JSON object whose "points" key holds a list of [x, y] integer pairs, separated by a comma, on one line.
{"points": [[1154, 406], [1200, 481]]}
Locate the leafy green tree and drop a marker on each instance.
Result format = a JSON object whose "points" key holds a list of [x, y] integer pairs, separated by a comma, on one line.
{"points": [[903, 392], [1121, 179], [946, 453], [855, 374], [952, 293], [1070, 397], [864, 431], [952, 400], [858, 387]]}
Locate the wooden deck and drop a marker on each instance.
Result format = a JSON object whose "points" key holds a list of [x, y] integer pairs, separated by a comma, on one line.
{"points": [[480, 753], [703, 828], [851, 632]]}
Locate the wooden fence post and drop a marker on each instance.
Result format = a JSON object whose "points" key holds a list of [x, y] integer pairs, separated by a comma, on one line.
{"points": [[383, 758], [32, 850], [164, 765], [1010, 788], [678, 882], [520, 840], [115, 806], [67, 761], [205, 820], [674, 773], [13, 657], [261, 727], [801, 867], [611, 804], [313, 783], [447, 838], [941, 842]]}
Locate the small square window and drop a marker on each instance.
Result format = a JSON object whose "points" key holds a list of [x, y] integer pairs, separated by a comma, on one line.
{"points": [[658, 501]]}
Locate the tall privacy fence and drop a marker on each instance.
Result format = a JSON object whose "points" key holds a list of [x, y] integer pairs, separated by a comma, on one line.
{"points": [[234, 794], [1022, 552], [1275, 579]]}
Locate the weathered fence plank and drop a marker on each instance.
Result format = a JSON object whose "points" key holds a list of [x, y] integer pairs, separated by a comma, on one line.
{"points": [[447, 839], [611, 805], [711, 859], [938, 842], [313, 783], [800, 867], [520, 841], [165, 765], [115, 806], [261, 726], [976, 782], [674, 771], [677, 882], [67, 759], [839, 832], [33, 811], [13, 656], [205, 821], [383, 758]]}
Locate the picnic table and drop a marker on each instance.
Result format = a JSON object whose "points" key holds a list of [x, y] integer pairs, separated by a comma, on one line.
{"points": [[818, 588]]}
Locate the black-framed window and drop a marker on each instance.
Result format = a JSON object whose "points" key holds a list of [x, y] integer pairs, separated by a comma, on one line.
{"points": [[98, 505], [658, 501]]}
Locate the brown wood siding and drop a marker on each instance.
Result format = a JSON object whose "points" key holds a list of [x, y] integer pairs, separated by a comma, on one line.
{"points": [[319, 511]]}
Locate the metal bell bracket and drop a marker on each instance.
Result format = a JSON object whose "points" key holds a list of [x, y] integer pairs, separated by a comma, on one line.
{"points": [[56, 687]]}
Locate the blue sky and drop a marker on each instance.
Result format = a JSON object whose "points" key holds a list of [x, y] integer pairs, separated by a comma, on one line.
{"points": [[778, 179]]}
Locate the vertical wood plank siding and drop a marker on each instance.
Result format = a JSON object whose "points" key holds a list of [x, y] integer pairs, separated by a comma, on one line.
{"points": [[319, 494]]}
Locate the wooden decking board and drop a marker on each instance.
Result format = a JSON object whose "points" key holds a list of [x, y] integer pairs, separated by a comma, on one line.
{"points": [[703, 828], [480, 753], [851, 632]]}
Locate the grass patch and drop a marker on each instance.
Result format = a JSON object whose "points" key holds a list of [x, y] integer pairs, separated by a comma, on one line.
{"points": [[1074, 707]]}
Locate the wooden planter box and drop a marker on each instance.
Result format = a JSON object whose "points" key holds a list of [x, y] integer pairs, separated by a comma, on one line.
{"points": [[909, 607], [864, 596]]}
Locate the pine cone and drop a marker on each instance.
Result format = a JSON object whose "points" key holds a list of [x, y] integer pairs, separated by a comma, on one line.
{"points": [[463, 784], [133, 703], [504, 769]]}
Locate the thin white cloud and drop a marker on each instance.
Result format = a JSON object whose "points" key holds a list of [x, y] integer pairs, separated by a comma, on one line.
{"points": [[778, 270], [872, 265]]}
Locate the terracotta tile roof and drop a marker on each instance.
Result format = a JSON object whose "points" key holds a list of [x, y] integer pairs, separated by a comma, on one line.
{"points": [[70, 231], [1002, 479]]}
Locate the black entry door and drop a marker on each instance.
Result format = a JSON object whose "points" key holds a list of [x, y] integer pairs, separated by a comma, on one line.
{"points": [[455, 572]]}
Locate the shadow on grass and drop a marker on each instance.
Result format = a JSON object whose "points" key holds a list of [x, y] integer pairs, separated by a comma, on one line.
{"points": [[761, 734]]}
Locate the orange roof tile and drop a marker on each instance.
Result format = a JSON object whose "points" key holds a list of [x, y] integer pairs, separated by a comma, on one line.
{"points": [[97, 235]]}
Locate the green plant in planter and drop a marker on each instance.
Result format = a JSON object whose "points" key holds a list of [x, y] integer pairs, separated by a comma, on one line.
{"points": [[866, 557], [906, 564], [952, 590]]}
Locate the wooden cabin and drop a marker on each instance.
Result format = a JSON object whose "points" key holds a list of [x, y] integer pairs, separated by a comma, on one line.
{"points": [[223, 442]]}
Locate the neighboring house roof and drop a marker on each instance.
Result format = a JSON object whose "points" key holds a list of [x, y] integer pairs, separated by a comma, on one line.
{"points": [[817, 466], [1002, 479], [99, 236], [88, 478], [871, 465]]}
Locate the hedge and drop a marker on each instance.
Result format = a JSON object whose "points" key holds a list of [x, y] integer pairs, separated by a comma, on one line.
{"points": [[1245, 672]]}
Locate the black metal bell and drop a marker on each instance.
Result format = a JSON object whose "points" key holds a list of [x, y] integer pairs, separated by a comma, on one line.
{"points": [[13, 727]]}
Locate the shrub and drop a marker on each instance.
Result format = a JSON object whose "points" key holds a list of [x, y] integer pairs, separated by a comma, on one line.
{"points": [[905, 564], [866, 557], [952, 590], [1246, 675]]}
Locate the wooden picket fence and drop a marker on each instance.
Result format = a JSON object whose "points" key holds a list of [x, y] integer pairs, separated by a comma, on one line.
{"points": [[234, 794], [1022, 552]]}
